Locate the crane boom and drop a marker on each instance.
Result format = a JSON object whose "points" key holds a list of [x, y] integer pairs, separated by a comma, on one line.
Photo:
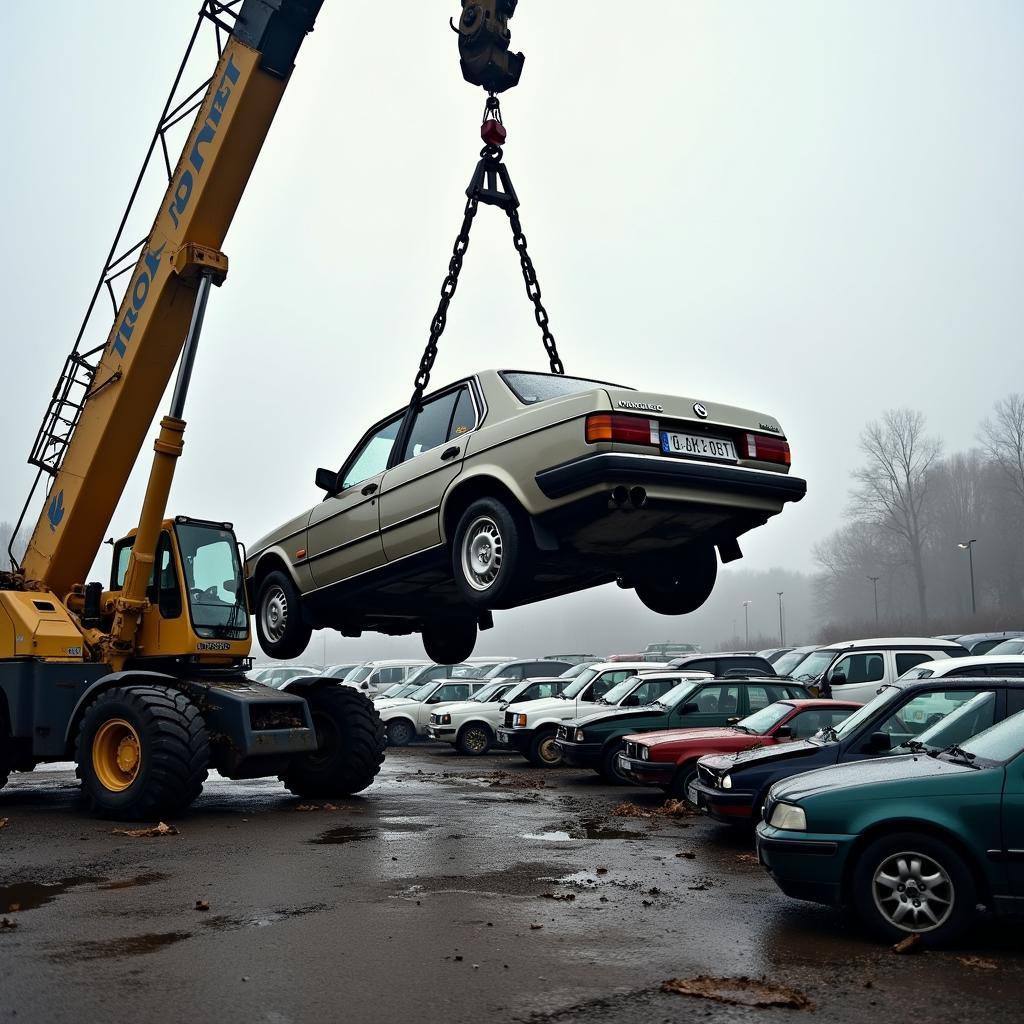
{"points": [[123, 391]]}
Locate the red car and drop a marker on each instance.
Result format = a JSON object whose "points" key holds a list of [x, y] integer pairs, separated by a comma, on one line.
{"points": [[668, 759]]}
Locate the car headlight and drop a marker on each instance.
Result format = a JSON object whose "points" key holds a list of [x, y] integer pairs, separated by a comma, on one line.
{"points": [[578, 736], [726, 782], [446, 719], [789, 817], [645, 753], [520, 721]]}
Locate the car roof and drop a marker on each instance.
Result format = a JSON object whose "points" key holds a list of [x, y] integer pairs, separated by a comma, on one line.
{"points": [[398, 663], [954, 682], [919, 642], [618, 666], [946, 665], [803, 703], [1002, 634]]}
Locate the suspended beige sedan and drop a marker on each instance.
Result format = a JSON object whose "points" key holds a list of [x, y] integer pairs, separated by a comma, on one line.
{"points": [[511, 487]]}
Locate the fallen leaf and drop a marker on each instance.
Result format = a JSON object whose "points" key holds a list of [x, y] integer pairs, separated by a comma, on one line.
{"points": [[160, 829], [3, 822], [14, 908], [688, 854], [982, 963], [6, 922], [316, 807], [911, 944], [202, 905], [601, 869], [746, 858], [534, 927], [648, 903], [738, 992], [558, 896]]}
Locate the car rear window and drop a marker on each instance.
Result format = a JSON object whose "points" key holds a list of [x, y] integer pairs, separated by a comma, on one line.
{"points": [[531, 388]]}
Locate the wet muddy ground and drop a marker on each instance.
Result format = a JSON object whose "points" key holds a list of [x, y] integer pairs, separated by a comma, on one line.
{"points": [[453, 890]]}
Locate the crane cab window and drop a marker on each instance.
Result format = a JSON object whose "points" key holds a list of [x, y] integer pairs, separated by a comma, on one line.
{"points": [[213, 581], [164, 591]]}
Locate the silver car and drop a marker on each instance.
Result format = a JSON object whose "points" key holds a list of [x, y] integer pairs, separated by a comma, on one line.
{"points": [[510, 487]]}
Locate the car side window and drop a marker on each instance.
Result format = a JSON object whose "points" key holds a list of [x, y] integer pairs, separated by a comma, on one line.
{"points": [[650, 690], [540, 668], [717, 700], [431, 425], [1014, 702], [606, 681], [758, 697], [704, 665], [922, 712], [372, 458], [807, 723], [907, 661], [453, 691], [464, 416], [868, 667]]}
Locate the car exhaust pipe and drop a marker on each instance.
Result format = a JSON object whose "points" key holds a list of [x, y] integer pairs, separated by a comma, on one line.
{"points": [[620, 497], [637, 497]]}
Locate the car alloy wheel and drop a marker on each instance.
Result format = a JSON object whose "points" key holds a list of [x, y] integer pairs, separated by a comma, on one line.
{"points": [[474, 740], [274, 613], [548, 751], [483, 551], [913, 892]]}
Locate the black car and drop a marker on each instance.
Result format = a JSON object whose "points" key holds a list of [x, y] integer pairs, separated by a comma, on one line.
{"points": [[906, 716], [725, 665]]}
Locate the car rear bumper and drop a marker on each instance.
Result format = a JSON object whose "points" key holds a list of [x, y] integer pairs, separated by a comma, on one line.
{"points": [[729, 806], [631, 469], [805, 866], [579, 755], [647, 773]]}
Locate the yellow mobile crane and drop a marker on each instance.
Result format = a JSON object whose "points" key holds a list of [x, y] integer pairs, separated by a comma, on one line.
{"points": [[142, 681]]}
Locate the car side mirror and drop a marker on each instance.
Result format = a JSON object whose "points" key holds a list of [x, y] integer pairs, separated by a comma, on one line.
{"points": [[690, 708], [365, 686], [838, 679], [784, 732], [231, 586], [632, 701], [327, 480], [879, 742]]}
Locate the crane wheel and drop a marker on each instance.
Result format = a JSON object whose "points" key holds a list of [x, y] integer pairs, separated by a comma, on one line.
{"points": [[142, 752], [350, 745]]}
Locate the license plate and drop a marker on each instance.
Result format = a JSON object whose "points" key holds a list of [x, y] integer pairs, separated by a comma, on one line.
{"points": [[697, 446], [692, 795]]}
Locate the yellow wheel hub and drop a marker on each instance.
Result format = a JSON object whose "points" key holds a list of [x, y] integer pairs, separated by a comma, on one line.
{"points": [[116, 754]]}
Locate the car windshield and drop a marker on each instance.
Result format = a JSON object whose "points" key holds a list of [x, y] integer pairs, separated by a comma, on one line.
{"points": [[1008, 647], [488, 693], [338, 671], [852, 724], [531, 388], [358, 674], [812, 666], [677, 694], [420, 675], [1000, 743], [579, 683], [785, 665], [971, 717], [619, 690], [213, 581], [424, 691], [576, 670], [498, 670], [761, 721], [918, 673], [395, 689]]}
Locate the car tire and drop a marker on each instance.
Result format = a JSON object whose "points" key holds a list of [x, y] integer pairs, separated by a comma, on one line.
{"points": [[279, 624], [684, 776], [685, 591], [490, 554], [350, 745], [474, 739], [142, 752], [609, 769], [907, 859], [450, 642], [543, 752], [401, 732]]}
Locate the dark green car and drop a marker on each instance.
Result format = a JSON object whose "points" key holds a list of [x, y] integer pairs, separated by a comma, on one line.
{"points": [[596, 740], [913, 843]]}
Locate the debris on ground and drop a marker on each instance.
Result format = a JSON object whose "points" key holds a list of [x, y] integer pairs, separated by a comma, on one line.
{"points": [[202, 905], [6, 922], [601, 870], [688, 854], [981, 962], [316, 807], [741, 991], [746, 858], [535, 927], [4, 822], [13, 908], [911, 944], [160, 829], [669, 809], [557, 896]]}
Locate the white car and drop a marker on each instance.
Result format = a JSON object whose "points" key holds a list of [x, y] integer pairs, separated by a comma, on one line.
{"points": [[530, 726], [374, 676], [929, 713], [470, 725], [405, 719]]}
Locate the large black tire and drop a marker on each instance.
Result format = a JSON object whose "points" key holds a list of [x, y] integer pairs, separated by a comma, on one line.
{"points": [[449, 642], [543, 752], [280, 627], [5, 745], [491, 554], [609, 770], [685, 774], [350, 738], [142, 753], [474, 739], [880, 870], [686, 590], [401, 732]]}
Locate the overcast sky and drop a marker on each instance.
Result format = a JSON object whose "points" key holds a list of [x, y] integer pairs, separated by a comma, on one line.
{"points": [[810, 208]]}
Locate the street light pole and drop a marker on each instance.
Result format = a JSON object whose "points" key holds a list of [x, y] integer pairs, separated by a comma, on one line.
{"points": [[969, 546], [874, 580], [782, 627], [746, 622]]}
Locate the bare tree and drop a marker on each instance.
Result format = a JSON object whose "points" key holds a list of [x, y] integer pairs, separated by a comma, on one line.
{"points": [[893, 485], [1003, 438]]}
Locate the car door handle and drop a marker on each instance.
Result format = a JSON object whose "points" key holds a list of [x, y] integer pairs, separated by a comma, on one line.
{"points": [[450, 453], [369, 489]]}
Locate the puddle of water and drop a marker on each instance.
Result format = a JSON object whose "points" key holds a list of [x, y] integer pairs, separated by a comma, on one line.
{"points": [[387, 831], [132, 883], [260, 919], [130, 945], [548, 837], [595, 828], [31, 895]]}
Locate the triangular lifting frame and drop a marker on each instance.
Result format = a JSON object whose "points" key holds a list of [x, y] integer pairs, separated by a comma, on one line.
{"points": [[491, 183]]}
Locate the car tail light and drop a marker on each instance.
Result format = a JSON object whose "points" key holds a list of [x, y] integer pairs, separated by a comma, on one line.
{"points": [[612, 426], [766, 449]]}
